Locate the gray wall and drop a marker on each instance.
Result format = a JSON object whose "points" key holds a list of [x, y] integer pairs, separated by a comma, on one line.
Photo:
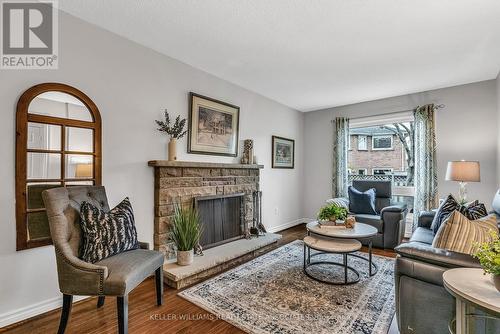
{"points": [[466, 129], [498, 140], [131, 85]]}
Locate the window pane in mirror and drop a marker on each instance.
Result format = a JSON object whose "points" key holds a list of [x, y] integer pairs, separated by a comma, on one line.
{"points": [[34, 193], [57, 104], [79, 139], [79, 166], [44, 136], [44, 165], [80, 183], [38, 225]]}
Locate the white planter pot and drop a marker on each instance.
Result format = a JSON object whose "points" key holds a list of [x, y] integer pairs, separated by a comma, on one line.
{"points": [[185, 258]]}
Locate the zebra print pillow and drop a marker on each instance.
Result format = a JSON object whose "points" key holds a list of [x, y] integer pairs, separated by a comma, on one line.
{"points": [[107, 233], [473, 210]]}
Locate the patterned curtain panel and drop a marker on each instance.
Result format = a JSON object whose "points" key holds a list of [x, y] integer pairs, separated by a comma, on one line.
{"points": [[426, 185], [340, 148]]}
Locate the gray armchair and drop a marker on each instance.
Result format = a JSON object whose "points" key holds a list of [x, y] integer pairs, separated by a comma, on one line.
{"points": [[113, 276], [391, 217]]}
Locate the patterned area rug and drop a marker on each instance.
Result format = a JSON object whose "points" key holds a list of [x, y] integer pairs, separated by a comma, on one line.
{"points": [[271, 294]]}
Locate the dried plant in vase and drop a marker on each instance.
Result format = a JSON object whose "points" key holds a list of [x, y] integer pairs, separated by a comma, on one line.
{"points": [[175, 131]]}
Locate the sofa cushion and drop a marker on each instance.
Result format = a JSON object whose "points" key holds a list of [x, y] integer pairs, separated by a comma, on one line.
{"points": [[372, 220], [107, 233], [459, 234], [362, 202], [423, 235], [472, 210], [126, 270]]}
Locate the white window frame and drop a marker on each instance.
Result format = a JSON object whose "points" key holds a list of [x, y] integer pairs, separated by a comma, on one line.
{"points": [[349, 145], [363, 169], [383, 148], [366, 143], [383, 168]]}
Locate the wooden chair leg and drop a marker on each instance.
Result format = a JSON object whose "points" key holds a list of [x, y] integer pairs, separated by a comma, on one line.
{"points": [[100, 301], [159, 285], [122, 308], [66, 311]]}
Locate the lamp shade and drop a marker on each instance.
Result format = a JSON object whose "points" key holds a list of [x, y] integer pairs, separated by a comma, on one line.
{"points": [[463, 171]]}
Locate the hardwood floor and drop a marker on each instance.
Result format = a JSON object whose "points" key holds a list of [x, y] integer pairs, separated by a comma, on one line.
{"points": [[175, 316]]}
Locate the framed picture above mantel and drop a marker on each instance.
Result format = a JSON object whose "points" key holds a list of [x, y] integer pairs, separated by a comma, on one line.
{"points": [[213, 126], [283, 152]]}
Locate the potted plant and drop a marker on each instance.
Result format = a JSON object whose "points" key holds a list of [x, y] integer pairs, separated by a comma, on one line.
{"points": [[176, 131], [332, 212], [185, 233], [488, 254]]}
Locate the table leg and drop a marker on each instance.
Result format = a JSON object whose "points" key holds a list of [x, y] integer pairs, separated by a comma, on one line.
{"points": [[461, 325], [370, 257]]}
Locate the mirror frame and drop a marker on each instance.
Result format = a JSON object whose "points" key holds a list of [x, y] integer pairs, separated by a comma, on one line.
{"points": [[22, 119]]}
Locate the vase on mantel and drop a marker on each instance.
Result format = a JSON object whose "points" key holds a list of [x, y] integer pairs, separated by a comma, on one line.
{"points": [[172, 149]]}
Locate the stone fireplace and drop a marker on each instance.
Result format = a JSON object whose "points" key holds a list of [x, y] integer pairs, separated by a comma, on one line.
{"points": [[209, 186]]}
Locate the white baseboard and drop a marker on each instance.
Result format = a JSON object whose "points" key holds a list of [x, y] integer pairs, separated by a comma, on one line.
{"points": [[284, 226], [30, 311]]}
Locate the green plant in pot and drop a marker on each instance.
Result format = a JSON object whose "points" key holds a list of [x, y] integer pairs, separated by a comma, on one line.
{"points": [[488, 254], [332, 212], [185, 233]]}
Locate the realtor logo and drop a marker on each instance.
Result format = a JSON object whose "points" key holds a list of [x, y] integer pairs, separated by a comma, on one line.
{"points": [[29, 35]]}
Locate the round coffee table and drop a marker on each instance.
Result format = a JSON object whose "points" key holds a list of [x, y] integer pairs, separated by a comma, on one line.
{"points": [[360, 231]]}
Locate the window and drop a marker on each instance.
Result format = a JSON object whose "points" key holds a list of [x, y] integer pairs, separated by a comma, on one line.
{"points": [[362, 143], [362, 171], [381, 171], [58, 144], [382, 142]]}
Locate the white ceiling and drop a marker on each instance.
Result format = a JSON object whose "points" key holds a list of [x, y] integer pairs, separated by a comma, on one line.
{"points": [[313, 54]]}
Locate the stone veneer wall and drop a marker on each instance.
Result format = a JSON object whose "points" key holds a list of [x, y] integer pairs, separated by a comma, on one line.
{"points": [[179, 182]]}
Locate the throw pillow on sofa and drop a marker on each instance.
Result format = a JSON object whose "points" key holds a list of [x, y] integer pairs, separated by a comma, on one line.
{"points": [[362, 202], [472, 210], [107, 233], [459, 234]]}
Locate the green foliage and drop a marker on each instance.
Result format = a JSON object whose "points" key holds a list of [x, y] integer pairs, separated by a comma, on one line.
{"points": [[186, 229], [332, 212], [488, 254], [175, 131]]}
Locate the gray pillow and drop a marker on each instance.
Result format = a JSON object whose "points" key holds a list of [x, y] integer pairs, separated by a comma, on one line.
{"points": [[362, 202]]}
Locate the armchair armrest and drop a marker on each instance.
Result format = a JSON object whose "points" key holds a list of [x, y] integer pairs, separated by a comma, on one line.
{"points": [[425, 219], [394, 207], [77, 277], [438, 256], [340, 201]]}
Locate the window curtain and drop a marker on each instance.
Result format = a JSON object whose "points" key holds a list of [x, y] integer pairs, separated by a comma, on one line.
{"points": [[340, 148], [426, 185]]}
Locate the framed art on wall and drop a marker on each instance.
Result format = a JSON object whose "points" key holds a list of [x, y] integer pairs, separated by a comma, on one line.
{"points": [[283, 150], [213, 126]]}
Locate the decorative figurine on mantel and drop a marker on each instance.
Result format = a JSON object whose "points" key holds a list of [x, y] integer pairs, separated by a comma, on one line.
{"points": [[176, 131], [247, 152]]}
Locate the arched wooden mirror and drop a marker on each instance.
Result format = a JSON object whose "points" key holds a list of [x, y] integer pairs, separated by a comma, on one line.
{"points": [[58, 143]]}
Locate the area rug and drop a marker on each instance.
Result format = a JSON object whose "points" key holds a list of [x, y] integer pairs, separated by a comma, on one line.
{"points": [[271, 294]]}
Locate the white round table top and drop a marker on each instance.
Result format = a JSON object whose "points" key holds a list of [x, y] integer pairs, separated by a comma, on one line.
{"points": [[470, 284], [332, 245], [359, 231]]}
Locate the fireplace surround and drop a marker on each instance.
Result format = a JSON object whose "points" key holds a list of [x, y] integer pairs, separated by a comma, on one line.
{"points": [[184, 183]]}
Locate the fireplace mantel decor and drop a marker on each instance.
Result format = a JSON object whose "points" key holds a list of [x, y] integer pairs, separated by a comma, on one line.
{"points": [[180, 182]]}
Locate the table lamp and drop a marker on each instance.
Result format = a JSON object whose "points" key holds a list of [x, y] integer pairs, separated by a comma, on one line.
{"points": [[463, 172], [83, 171]]}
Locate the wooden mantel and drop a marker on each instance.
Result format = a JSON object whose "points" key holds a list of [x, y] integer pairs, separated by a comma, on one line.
{"points": [[194, 164]]}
